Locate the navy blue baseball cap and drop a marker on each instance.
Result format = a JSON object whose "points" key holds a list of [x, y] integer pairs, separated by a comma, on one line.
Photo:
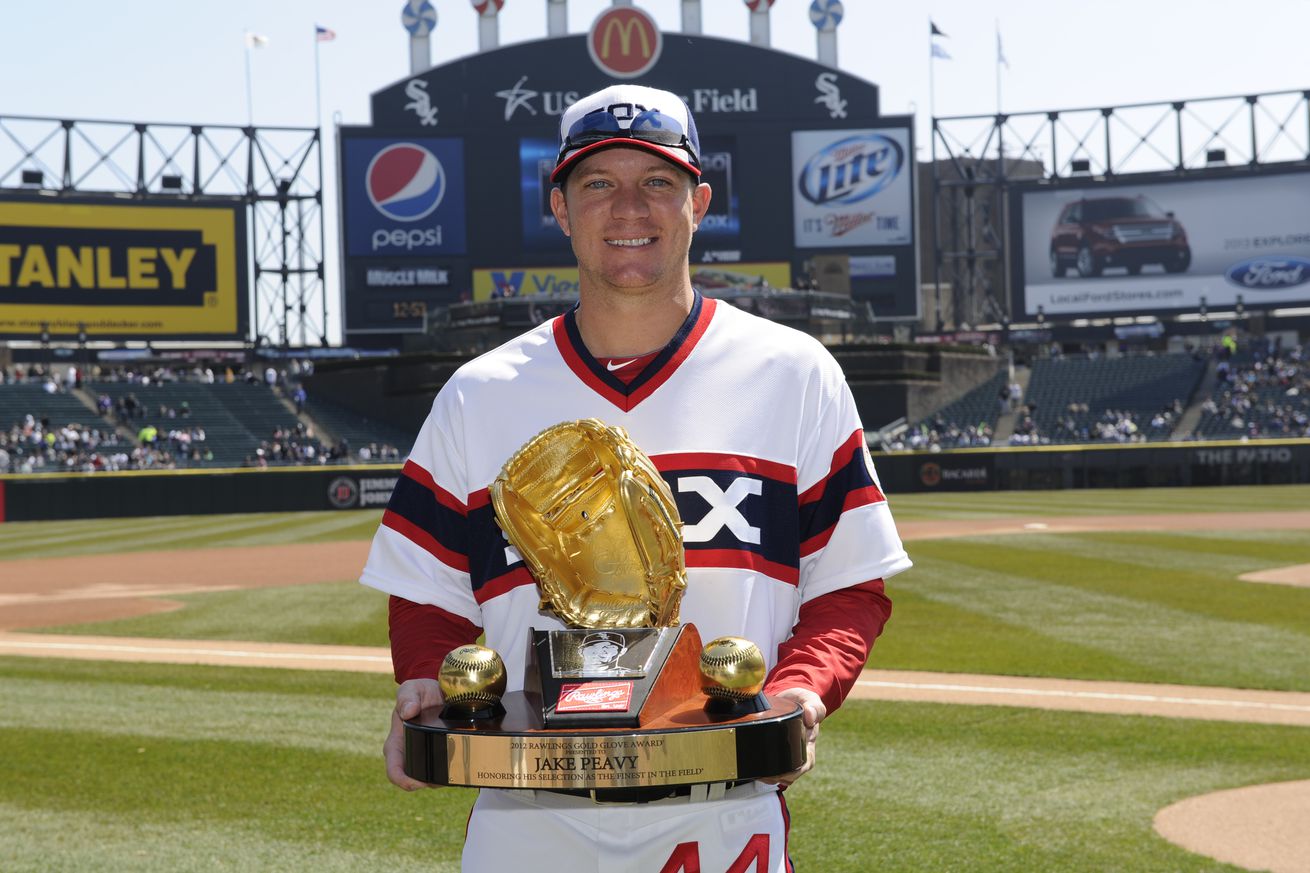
{"points": [[633, 116]]}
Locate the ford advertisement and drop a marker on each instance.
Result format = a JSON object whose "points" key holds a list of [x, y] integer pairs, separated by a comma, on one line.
{"points": [[403, 198], [1107, 249], [852, 188]]}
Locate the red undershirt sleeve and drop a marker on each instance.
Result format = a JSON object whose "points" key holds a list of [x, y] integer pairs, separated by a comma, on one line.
{"points": [[422, 635], [831, 641]]}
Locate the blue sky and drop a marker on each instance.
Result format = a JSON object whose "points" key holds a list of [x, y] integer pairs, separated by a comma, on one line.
{"points": [[184, 61]]}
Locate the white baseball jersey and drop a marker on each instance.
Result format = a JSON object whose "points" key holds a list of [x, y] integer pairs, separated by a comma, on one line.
{"points": [[751, 424]]}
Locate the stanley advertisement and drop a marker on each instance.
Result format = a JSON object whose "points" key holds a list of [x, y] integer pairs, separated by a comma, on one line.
{"points": [[122, 271]]}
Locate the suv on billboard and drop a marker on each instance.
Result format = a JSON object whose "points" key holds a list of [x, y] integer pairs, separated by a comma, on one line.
{"points": [[1098, 232]]}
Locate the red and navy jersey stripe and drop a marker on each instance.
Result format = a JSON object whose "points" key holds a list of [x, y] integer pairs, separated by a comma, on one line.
{"points": [[627, 394], [771, 512], [848, 485], [429, 516], [762, 524]]}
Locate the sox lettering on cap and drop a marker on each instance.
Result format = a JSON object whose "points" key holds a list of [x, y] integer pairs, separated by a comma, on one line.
{"points": [[634, 116]]}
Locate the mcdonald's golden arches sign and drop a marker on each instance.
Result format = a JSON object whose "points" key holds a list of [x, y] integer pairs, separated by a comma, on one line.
{"points": [[624, 42]]}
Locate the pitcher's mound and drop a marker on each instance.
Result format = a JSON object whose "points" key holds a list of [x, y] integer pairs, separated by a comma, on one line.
{"points": [[1261, 827], [1297, 574]]}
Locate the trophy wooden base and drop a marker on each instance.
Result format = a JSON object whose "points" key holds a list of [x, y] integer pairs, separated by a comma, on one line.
{"points": [[622, 737], [684, 745]]}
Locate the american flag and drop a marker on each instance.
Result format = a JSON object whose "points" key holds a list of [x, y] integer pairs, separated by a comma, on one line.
{"points": [[324, 34]]}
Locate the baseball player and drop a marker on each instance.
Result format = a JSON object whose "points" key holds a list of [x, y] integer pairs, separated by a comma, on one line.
{"points": [[787, 533]]}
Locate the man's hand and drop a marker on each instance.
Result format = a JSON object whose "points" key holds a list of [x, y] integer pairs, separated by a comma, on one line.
{"points": [[412, 697], [814, 712]]}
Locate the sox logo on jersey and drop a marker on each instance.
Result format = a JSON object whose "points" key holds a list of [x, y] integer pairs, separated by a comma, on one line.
{"points": [[723, 512], [723, 508]]}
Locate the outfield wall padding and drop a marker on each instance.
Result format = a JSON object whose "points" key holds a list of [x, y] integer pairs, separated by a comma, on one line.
{"points": [[194, 492], [40, 497], [1137, 465]]}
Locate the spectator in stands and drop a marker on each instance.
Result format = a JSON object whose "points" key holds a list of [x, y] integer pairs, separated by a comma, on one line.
{"points": [[1026, 432], [31, 446], [298, 397]]}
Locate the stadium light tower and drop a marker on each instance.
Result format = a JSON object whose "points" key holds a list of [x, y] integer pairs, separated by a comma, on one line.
{"points": [[557, 18], [691, 16], [759, 21], [825, 15], [419, 18], [488, 23]]}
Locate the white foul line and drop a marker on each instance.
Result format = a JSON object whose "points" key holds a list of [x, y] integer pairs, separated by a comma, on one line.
{"points": [[225, 653], [1083, 695]]}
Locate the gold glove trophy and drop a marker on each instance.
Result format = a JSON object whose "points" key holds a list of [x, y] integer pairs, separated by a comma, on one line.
{"points": [[615, 707]]}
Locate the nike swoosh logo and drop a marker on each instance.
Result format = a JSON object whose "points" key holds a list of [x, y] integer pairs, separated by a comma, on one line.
{"points": [[611, 366]]}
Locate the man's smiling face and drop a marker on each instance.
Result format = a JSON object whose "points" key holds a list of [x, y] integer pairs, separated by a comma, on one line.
{"points": [[630, 216]]}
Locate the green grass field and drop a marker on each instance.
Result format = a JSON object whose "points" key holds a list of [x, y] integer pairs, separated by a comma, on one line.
{"points": [[168, 768]]}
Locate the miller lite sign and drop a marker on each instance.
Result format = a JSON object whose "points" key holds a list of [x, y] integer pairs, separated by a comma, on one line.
{"points": [[852, 188], [624, 42]]}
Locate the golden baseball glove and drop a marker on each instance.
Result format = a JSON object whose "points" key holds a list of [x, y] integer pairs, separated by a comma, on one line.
{"points": [[596, 525]]}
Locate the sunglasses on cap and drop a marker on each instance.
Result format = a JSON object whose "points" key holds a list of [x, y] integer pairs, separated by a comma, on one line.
{"points": [[648, 126]]}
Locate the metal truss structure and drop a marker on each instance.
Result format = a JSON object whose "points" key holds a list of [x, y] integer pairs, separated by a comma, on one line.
{"points": [[977, 158], [276, 171]]}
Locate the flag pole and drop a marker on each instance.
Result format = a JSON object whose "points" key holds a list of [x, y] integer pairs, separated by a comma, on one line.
{"points": [[932, 64], [318, 91], [250, 94], [998, 66]]}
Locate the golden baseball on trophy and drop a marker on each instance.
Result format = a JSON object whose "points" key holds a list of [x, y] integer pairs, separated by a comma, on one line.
{"points": [[472, 677], [731, 668]]}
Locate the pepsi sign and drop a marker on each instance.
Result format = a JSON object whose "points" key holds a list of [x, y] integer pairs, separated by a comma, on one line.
{"points": [[851, 188], [403, 198], [1269, 274], [405, 182]]}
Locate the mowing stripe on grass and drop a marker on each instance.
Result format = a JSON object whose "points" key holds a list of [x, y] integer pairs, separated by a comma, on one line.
{"points": [[999, 504], [1199, 577], [193, 529], [320, 525], [96, 536], [1121, 698], [1175, 644]]}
